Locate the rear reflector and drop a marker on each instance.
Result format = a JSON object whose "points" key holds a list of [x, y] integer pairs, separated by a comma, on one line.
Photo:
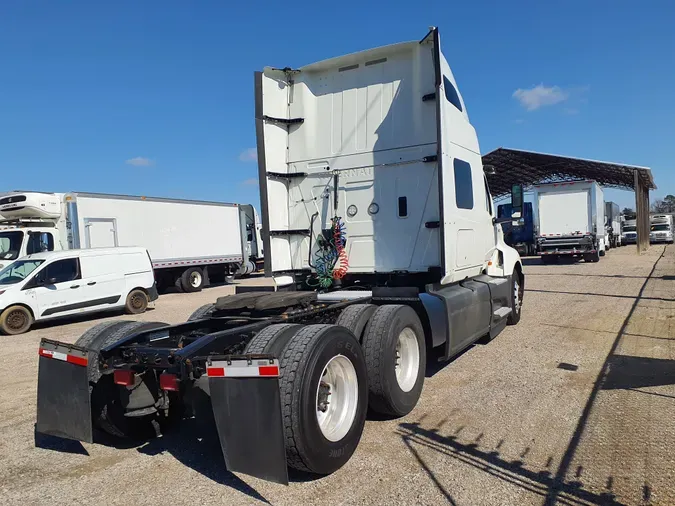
{"points": [[243, 369], [65, 357], [125, 377], [168, 382]]}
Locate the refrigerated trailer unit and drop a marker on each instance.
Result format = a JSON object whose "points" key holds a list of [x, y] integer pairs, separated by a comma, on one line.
{"points": [[382, 242], [190, 242], [570, 220]]}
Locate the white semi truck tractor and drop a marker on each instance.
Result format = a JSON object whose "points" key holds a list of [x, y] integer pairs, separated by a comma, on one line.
{"points": [[380, 235]]}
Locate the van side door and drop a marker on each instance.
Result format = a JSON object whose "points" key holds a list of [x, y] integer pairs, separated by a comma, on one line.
{"points": [[103, 280], [59, 290]]}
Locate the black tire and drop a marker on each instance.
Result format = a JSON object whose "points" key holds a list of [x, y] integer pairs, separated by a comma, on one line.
{"points": [[592, 257], [516, 307], [15, 320], [97, 333], [601, 253], [137, 302], [192, 280], [301, 366], [355, 318], [272, 340], [202, 312], [107, 409], [379, 347], [178, 284]]}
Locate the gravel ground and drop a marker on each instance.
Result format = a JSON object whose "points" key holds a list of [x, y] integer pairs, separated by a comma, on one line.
{"points": [[574, 405]]}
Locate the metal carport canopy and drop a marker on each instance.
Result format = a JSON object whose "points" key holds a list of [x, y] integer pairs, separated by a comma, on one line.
{"points": [[513, 166], [528, 168]]}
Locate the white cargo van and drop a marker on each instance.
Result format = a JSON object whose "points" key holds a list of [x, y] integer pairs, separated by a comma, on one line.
{"points": [[64, 283]]}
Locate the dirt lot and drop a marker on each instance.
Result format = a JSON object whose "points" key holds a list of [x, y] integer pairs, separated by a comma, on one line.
{"points": [[575, 405]]}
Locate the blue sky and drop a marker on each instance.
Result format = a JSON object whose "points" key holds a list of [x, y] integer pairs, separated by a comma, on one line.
{"points": [[156, 97]]}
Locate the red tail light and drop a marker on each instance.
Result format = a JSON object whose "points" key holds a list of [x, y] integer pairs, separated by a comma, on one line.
{"points": [[168, 382], [125, 377]]}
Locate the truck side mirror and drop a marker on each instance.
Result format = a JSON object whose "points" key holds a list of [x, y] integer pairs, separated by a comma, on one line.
{"points": [[516, 201]]}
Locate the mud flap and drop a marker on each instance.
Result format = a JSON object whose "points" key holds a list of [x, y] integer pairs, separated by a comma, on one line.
{"points": [[63, 399], [246, 407]]}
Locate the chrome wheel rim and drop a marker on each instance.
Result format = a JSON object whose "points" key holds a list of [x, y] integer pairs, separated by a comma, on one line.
{"points": [[407, 359], [196, 279], [337, 398]]}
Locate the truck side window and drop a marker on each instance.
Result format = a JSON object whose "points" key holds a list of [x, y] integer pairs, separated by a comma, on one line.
{"points": [[488, 198], [463, 184], [62, 271], [451, 93], [39, 242]]}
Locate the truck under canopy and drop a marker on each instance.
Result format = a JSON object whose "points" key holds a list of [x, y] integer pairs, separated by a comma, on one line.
{"points": [[528, 168]]}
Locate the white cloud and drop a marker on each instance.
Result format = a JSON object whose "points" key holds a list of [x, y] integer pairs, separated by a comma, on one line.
{"points": [[519, 121], [540, 96], [249, 155], [250, 182], [140, 161]]}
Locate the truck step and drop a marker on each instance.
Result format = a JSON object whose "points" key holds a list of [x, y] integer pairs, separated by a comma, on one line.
{"points": [[502, 312]]}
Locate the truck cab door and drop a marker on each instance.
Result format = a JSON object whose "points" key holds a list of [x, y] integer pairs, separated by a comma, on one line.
{"points": [[468, 232]]}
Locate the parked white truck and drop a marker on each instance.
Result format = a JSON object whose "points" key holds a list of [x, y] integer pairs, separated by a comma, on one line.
{"points": [[570, 220], [661, 228], [382, 240], [190, 242], [629, 231], [613, 224]]}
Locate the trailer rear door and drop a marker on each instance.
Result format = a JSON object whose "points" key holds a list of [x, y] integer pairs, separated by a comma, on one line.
{"points": [[564, 213]]}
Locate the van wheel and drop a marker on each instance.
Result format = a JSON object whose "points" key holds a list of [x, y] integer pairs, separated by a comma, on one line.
{"points": [[15, 320], [192, 279], [395, 351], [355, 318], [324, 395], [137, 302]]}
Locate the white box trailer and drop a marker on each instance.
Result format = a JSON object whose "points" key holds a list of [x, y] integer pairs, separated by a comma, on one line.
{"points": [[190, 242], [570, 220]]}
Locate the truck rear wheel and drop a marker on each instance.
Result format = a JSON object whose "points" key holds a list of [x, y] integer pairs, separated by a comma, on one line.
{"points": [[202, 312], [192, 279], [395, 352], [108, 412], [15, 320], [592, 257], [272, 339], [355, 318], [324, 397]]}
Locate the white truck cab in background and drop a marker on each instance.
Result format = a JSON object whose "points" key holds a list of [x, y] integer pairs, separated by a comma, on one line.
{"points": [[570, 220], [190, 242], [629, 231], [661, 228]]}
